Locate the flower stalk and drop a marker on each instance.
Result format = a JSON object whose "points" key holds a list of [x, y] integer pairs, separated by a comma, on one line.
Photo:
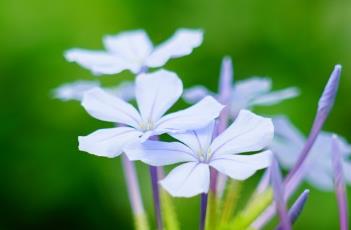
{"points": [[203, 210], [136, 202], [279, 199], [339, 184], [232, 194], [156, 196]]}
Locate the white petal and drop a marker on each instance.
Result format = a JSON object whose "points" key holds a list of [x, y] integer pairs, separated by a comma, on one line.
{"points": [[275, 97], [324, 140], [194, 117], [253, 87], [240, 167], [249, 132], [187, 180], [321, 179], [158, 153], [287, 143], [247, 90], [180, 44], [198, 140], [125, 91], [107, 107], [108, 142], [346, 166], [131, 46], [74, 90], [196, 93], [98, 62], [156, 93], [285, 129]]}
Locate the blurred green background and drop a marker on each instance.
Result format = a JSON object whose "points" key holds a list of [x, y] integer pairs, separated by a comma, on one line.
{"points": [[46, 183]]}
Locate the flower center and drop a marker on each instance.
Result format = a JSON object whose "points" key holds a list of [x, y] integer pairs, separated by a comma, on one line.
{"points": [[204, 154], [147, 125]]}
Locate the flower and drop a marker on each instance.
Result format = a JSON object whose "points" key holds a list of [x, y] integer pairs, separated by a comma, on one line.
{"points": [[255, 91], [155, 94], [133, 50], [288, 143], [75, 90], [199, 151]]}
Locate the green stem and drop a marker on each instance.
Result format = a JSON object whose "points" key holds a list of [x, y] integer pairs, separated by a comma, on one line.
{"points": [[212, 207], [141, 222], [229, 202], [252, 210], [168, 211]]}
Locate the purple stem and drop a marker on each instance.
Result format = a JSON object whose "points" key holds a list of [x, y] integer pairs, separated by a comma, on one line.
{"points": [[278, 189], [133, 186], [213, 180], [155, 174], [339, 184], [203, 209], [296, 209], [156, 196]]}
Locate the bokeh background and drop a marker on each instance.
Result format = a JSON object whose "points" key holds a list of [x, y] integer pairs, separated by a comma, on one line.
{"points": [[46, 183]]}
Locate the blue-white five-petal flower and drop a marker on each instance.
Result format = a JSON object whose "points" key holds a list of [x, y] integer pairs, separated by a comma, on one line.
{"points": [[318, 170], [199, 151], [155, 94], [134, 51], [255, 91]]}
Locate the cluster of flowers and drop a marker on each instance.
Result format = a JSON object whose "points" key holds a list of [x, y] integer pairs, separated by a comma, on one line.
{"points": [[209, 136]]}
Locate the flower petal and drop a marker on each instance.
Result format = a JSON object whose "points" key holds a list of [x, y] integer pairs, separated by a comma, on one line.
{"points": [[241, 167], [198, 140], [249, 132], [158, 153], [187, 180], [246, 90], [107, 107], [108, 142], [156, 93], [287, 143], [98, 62], [125, 91], [346, 165], [275, 97], [196, 93], [131, 46], [321, 179], [74, 90], [180, 44], [194, 117]]}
